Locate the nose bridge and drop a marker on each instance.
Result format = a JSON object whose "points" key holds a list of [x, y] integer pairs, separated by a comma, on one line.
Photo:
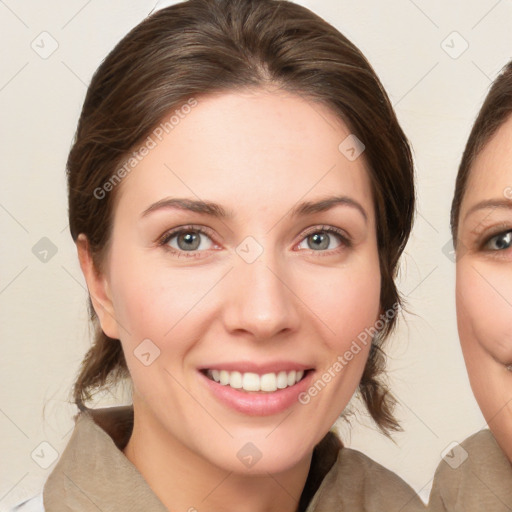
{"points": [[260, 300]]}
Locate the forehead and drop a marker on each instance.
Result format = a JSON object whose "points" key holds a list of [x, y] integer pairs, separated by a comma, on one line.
{"points": [[259, 146], [491, 172]]}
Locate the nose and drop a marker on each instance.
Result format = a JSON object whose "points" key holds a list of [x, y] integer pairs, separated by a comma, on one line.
{"points": [[260, 300]]}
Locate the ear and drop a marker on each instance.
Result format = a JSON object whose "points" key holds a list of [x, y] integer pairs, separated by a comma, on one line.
{"points": [[99, 289]]}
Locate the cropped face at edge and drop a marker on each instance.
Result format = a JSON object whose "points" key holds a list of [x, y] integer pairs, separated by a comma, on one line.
{"points": [[259, 291], [484, 283]]}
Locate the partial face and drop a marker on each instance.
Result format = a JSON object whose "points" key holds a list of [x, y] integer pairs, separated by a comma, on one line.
{"points": [[273, 292], [484, 283]]}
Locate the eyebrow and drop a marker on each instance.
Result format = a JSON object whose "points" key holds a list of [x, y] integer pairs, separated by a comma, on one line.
{"points": [[217, 211], [489, 203]]}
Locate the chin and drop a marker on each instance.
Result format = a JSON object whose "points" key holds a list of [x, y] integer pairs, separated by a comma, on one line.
{"points": [[257, 458]]}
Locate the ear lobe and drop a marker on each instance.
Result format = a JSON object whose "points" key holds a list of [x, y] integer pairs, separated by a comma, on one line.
{"points": [[99, 289]]}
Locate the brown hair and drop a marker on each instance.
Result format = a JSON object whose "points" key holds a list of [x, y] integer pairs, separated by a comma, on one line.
{"points": [[495, 110], [200, 47]]}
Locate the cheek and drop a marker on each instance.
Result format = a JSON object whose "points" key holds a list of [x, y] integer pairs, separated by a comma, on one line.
{"points": [[355, 304], [484, 308], [347, 301], [484, 320], [153, 301]]}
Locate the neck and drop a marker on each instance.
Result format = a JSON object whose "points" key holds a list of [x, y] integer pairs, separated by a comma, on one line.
{"points": [[184, 480]]}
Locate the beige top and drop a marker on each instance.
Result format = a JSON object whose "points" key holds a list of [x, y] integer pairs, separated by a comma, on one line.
{"points": [[93, 474], [476, 479]]}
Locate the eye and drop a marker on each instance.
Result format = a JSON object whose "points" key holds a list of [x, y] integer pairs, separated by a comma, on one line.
{"points": [[319, 239], [499, 242], [186, 239]]}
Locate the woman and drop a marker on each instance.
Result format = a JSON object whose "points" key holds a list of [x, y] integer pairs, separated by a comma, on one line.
{"points": [[240, 192], [481, 220]]}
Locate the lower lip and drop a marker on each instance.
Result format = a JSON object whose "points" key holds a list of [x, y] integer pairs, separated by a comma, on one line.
{"points": [[255, 403]]}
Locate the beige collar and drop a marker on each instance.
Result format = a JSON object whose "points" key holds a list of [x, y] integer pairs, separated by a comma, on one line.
{"points": [[93, 473]]}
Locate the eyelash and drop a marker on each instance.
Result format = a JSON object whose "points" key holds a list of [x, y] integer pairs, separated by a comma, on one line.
{"points": [[166, 237]]}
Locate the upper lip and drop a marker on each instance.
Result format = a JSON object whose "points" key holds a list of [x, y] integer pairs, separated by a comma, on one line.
{"points": [[261, 368]]}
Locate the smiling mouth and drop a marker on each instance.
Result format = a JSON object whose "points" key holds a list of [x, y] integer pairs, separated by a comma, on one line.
{"points": [[253, 382]]}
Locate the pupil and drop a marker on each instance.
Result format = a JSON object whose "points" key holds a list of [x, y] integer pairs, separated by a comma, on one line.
{"points": [[322, 239], [191, 239]]}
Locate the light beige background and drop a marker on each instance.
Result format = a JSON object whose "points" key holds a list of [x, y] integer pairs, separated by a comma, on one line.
{"points": [[43, 322]]}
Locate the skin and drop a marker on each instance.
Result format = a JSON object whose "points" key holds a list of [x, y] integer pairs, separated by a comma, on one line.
{"points": [[484, 284], [257, 153]]}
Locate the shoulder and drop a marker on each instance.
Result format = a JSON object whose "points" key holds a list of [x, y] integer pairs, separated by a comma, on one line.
{"points": [[34, 504], [384, 482], [474, 474], [481, 442], [359, 483], [478, 453]]}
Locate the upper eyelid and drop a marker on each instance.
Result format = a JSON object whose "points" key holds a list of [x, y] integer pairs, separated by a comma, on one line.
{"points": [[330, 229], [488, 230], [500, 230]]}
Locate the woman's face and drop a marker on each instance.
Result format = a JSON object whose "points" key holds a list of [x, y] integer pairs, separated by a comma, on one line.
{"points": [[285, 281], [484, 282]]}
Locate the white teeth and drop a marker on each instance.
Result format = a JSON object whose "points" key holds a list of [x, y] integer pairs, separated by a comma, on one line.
{"points": [[235, 380], [268, 382], [224, 377], [282, 380], [253, 382]]}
